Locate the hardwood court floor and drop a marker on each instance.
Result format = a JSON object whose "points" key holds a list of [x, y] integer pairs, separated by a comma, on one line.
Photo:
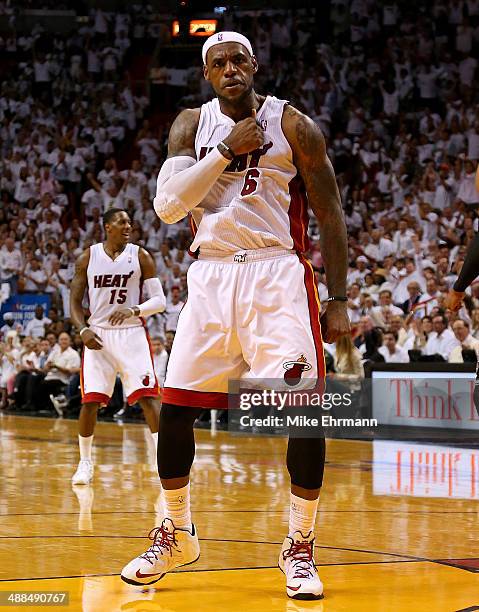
{"points": [[385, 543]]}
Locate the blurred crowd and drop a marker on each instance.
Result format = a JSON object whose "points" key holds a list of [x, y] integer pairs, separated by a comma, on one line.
{"points": [[68, 114], [391, 85]]}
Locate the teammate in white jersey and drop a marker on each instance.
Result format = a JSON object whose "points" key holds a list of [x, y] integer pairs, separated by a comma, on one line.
{"points": [[245, 167], [115, 337]]}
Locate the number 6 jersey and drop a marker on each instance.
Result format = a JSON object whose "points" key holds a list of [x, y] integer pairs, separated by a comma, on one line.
{"points": [[259, 200], [113, 284]]}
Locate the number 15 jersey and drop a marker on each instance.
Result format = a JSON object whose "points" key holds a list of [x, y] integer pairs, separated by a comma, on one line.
{"points": [[259, 200], [113, 284]]}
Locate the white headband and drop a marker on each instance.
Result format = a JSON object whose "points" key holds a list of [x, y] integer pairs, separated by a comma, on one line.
{"points": [[224, 37]]}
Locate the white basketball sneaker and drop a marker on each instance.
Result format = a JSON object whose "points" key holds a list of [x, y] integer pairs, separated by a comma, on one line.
{"points": [[172, 547], [84, 473], [296, 561]]}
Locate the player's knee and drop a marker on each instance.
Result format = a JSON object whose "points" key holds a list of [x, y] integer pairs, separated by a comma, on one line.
{"points": [[149, 403], [178, 417], [91, 406]]}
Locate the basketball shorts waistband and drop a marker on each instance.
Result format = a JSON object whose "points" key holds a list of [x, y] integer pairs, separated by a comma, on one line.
{"points": [[246, 256]]}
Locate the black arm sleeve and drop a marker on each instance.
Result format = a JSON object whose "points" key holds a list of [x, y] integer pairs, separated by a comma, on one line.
{"points": [[470, 269]]}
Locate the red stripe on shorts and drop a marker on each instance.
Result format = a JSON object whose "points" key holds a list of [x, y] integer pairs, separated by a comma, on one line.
{"points": [[139, 393], [298, 214], [314, 308], [194, 399], [95, 398]]}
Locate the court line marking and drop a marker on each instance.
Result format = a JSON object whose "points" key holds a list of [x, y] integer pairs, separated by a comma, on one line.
{"points": [[196, 571], [448, 563], [403, 557], [386, 511], [233, 569], [324, 547]]}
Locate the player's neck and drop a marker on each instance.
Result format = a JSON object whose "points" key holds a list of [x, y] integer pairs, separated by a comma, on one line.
{"points": [[114, 248], [241, 109]]}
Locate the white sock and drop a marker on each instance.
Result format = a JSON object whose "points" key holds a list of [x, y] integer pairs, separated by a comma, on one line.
{"points": [[85, 446], [155, 439], [302, 514], [177, 506]]}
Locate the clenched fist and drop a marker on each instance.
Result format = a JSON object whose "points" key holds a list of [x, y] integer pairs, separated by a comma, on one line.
{"points": [[246, 136]]}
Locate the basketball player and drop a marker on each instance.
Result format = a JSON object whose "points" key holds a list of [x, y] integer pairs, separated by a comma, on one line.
{"points": [[115, 337], [242, 165]]}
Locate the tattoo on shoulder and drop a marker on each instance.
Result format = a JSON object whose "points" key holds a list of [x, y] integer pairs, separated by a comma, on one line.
{"points": [[309, 135], [290, 111], [183, 131], [302, 132]]}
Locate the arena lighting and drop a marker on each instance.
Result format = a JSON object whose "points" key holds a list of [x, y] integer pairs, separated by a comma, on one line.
{"points": [[197, 27]]}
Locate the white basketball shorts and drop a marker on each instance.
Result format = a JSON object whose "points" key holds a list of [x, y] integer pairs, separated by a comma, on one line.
{"points": [[251, 316], [126, 352]]}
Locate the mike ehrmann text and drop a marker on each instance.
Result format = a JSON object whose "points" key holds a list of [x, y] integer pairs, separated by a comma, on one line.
{"points": [[303, 421]]}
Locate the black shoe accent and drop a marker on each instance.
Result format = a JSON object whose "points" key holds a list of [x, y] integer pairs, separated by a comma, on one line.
{"points": [[306, 596]]}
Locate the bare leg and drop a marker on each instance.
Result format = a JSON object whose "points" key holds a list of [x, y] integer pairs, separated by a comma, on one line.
{"points": [[304, 493], [151, 409], [87, 420], [175, 483]]}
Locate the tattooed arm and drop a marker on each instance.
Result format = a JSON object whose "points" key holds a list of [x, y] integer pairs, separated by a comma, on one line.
{"points": [[77, 291], [311, 159]]}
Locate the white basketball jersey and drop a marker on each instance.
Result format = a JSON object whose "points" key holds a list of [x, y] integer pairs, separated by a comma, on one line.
{"points": [[259, 200], [113, 284]]}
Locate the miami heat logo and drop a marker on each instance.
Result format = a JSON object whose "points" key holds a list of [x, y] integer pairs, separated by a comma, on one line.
{"points": [[295, 369], [146, 380]]}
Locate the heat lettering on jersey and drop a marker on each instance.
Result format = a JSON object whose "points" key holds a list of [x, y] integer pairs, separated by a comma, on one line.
{"points": [[111, 280], [240, 162]]}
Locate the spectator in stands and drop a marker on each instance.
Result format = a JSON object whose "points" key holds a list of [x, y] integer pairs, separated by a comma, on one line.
{"points": [[441, 341], [383, 312], [461, 330], [372, 342], [347, 361], [414, 290], [33, 277], [37, 327], [10, 326], [391, 352], [28, 367], [173, 308], [10, 264], [61, 365], [160, 360]]}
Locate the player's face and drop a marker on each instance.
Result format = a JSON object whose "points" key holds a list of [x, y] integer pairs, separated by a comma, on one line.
{"points": [[119, 228], [230, 70]]}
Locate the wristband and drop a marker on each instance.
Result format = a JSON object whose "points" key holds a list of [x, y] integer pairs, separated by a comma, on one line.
{"points": [[226, 151], [83, 329], [337, 298], [135, 311]]}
